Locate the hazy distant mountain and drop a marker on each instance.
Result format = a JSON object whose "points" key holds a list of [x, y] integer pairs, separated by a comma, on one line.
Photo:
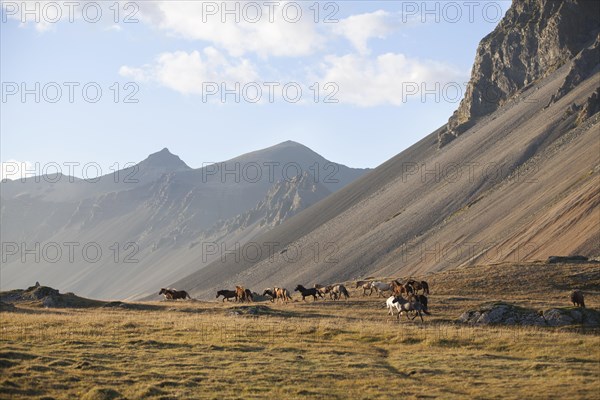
{"points": [[154, 222], [517, 179]]}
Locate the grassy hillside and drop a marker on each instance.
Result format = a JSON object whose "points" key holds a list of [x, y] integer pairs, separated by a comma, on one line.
{"points": [[325, 349]]}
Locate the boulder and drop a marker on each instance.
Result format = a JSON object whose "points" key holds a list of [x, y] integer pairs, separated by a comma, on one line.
{"points": [[501, 313]]}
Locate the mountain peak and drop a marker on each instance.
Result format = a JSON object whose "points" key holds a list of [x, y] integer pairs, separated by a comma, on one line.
{"points": [[534, 39], [164, 159]]}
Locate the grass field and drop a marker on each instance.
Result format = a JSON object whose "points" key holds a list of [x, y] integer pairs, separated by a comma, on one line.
{"points": [[345, 349]]}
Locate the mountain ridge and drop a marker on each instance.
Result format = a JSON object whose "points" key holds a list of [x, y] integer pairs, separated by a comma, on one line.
{"points": [[154, 218], [491, 195]]}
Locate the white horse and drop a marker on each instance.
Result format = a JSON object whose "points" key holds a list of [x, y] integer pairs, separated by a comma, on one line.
{"points": [[381, 287], [391, 305]]}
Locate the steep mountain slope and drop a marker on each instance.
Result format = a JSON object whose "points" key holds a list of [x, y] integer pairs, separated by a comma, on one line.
{"points": [[534, 39], [158, 223], [520, 184]]}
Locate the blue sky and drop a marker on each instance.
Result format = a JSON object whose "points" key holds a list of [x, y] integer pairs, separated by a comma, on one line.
{"points": [[176, 51]]}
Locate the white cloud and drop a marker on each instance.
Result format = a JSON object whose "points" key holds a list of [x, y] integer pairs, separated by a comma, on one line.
{"points": [[387, 79], [192, 20], [45, 15], [13, 169], [358, 29], [186, 72]]}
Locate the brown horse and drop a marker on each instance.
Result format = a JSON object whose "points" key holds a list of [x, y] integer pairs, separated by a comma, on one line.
{"points": [[577, 298], [400, 289], [282, 294], [227, 294], [365, 285], [416, 286], [240, 293], [172, 294]]}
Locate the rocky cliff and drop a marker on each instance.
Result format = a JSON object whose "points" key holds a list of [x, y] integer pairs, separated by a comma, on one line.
{"points": [[534, 39], [285, 199]]}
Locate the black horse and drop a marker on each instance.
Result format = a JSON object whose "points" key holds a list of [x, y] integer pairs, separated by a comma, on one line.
{"points": [[227, 294], [172, 294], [308, 292]]}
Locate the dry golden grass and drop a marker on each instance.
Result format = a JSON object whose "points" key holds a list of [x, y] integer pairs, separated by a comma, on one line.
{"points": [[346, 349]]}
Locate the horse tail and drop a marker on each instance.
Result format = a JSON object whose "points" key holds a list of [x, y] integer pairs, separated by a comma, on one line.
{"points": [[426, 312]]}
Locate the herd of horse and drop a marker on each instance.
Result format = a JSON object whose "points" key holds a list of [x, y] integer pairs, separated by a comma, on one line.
{"points": [[395, 287], [403, 297]]}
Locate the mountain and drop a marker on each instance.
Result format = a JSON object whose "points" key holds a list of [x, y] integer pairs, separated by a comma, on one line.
{"points": [[139, 228], [514, 180], [534, 39], [285, 199]]}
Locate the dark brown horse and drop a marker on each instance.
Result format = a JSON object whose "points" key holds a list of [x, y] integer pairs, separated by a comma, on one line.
{"points": [[416, 286], [269, 292], [421, 298], [400, 289], [227, 294], [172, 294], [308, 292], [577, 298]]}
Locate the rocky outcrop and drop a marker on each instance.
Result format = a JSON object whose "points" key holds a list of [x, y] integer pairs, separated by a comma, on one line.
{"points": [[508, 314], [589, 108], [567, 259], [285, 199], [46, 297], [534, 39], [584, 65]]}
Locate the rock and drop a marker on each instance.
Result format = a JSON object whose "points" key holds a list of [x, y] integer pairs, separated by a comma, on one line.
{"points": [[566, 259], [590, 108], [493, 316], [40, 292], [6, 306], [47, 297], [534, 39], [50, 301], [583, 66], [508, 314], [556, 317]]}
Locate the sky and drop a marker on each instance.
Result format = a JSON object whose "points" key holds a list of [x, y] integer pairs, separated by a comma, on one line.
{"points": [[106, 83]]}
